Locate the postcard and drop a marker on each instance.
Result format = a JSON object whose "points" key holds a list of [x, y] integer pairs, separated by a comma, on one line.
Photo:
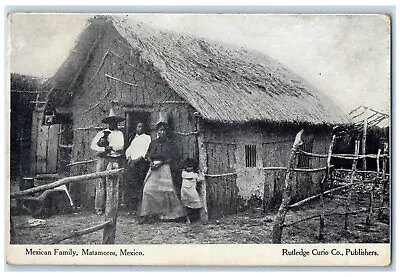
{"points": [[199, 139]]}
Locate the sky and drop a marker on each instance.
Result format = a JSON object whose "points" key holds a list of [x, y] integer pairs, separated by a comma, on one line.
{"points": [[346, 57]]}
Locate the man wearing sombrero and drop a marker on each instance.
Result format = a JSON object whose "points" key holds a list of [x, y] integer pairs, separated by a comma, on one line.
{"points": [[109, 145]]}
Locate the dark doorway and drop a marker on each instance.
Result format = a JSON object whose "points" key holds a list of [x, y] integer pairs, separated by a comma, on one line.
{"points": [[132, 119], [133, 179]]}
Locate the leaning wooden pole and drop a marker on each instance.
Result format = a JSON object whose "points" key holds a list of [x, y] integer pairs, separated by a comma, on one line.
{"points": [[382, 181], [308, 199], [322, 187], [67, 180], [353, 173], [81, 232], [280, 217]]}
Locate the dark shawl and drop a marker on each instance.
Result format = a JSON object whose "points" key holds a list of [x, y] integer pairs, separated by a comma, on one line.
{"points": [[162, 149]]}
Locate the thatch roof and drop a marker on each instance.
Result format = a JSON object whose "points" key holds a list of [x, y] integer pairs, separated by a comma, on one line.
{"points": [[373, 117], [225, 83]]}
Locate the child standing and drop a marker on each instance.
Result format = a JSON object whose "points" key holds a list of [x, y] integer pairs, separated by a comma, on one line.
{"points": [[189, 196]]}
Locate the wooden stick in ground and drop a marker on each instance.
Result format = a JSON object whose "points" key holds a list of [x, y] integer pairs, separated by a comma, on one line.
{"points": [[382, 183], [364, 146], [67, 180], [353, 173], [280, 217], [322, 186], [81, 232], [368, 220], [330, 214], [112, 193]]}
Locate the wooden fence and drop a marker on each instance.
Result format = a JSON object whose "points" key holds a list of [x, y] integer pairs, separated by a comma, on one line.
{"points": [[110, 223], [379, 180]]}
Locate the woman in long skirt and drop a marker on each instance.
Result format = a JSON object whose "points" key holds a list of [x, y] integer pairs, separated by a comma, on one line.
{"points": [[160, 200]]}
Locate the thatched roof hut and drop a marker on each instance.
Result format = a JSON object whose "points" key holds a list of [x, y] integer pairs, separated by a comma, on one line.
{"points": [[232, 109], [223, 83]]}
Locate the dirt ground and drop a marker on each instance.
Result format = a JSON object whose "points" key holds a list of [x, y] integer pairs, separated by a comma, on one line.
{"points": [[244, 228]]}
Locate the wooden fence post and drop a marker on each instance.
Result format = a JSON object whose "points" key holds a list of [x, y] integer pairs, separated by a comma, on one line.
{"points": [[353, 173], [364, 147], [322, 189], [382, 181], [368, 220], [112, 194], [280, 217]]}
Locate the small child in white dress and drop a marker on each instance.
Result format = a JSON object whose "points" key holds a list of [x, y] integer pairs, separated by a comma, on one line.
{"points": [[190, 197]]}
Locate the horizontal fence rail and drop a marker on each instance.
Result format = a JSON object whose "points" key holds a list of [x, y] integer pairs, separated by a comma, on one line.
{"points": [[331, 214], [67, 180], [272, 168], [343, 156], [81, 162]]}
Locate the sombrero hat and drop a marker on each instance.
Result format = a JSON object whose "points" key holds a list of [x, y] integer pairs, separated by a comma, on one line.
{"points": [[112, 117], [162, 120]]}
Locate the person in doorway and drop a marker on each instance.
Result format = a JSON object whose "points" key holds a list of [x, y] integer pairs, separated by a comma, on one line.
{"points": [[189, 195], [109, 145], [160, 200], [137, 166]]}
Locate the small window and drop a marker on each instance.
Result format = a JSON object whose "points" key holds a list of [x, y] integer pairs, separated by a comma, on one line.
{"points": [[305, 161], [251, 155]]}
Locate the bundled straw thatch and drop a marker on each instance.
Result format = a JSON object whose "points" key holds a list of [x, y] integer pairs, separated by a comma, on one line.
{"points": [[223, 83]]}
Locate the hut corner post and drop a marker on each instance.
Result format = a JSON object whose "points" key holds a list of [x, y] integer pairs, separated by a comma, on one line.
{"points": [[202, 166], [283, 208], [112, 194]]}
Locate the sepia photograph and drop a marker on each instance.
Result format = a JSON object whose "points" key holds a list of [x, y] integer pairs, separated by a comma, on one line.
{"points": [[270, 132]]}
